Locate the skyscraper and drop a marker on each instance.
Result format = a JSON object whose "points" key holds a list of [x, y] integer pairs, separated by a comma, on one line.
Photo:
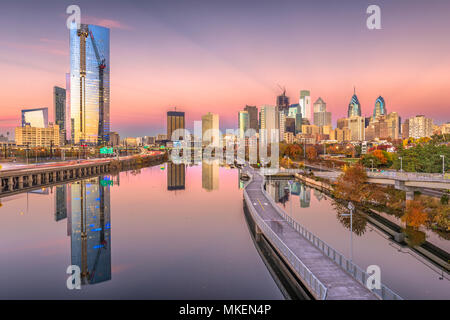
{"points": [[420, 127], [305, 105], [283, 102], [321, 116], [269, 122], [36, 118], [354, 107], [380, 107], [210, 175], [210, 121], [175, 120], [253, 117], [282, 124], [243, 123], [176, 176], [59, 106], [356, 124], [89, 84]]}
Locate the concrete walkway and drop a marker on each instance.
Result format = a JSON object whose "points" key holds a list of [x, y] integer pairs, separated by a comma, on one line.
{"points": [[340, 285]]}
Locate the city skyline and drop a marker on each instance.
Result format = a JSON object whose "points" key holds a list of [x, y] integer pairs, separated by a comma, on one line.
{"points": [[412, 83]]}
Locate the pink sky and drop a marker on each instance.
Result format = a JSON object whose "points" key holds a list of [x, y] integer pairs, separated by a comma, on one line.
{"points": [[203, 64]]}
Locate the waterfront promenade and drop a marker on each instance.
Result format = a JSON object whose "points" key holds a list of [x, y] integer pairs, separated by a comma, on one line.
{"points": [[323, 271]]}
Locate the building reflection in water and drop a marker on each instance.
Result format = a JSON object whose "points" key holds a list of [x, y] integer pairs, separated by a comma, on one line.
{"points": [[89, 226], [318, 194], [61, 202], [305, 196], [210, 175], [278, 190], [176, 176]]}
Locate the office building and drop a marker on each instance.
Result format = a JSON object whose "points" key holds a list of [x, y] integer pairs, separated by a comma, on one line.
{"points": [[290, 125], [36, 118], [59, 108], [356, 124], [283, 103], [321, 116], [89, 84], [342, 123], [298, 123], [270, 124], [305, 105], [210, 122], [114, 139], [38, 137], [380, 108], [252, 117], [243, 123], [354, 107], [282, 125], [420, 127], [175, 121]]}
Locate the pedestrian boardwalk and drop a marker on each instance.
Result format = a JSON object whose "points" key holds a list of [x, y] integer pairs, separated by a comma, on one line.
{"points": [[339, 284]]}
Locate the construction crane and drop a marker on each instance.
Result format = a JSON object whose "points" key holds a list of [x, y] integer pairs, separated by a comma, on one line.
{"points": [[82, 33], [101, 68]]}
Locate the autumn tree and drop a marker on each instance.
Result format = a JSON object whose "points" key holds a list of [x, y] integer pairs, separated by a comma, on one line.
{"points": [[311, 153]]}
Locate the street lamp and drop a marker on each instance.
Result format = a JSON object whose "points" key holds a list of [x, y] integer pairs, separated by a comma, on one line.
{"points": [[371, 160], [351, 207], [443, 164], [401, 164]]}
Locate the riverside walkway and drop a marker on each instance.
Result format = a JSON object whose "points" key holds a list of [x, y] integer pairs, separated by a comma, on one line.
{"points": [[323, 271]]}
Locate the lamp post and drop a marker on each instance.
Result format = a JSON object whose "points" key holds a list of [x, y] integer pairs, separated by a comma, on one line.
{"points": [[351, 207], [443, 164], [371, 160], [401, 164]]}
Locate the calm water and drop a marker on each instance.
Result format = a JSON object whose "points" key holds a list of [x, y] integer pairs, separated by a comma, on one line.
{"points": [[177, 233], [402, 269]]}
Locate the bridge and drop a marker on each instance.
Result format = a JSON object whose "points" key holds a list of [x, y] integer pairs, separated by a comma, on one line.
{"points": [[406, 181], [324, 272], [28, 178]]}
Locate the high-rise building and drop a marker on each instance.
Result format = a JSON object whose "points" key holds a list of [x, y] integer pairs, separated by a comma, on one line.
{"points": [[393, 125], [38, 137], [89, 84], [290, 125], [305, 105], [243, 123], [298, 123], [293, 110], [342, 123], [210, 121], [282, 124], [420, 127], [114, 139], [405, 129], [68, 122], [59, 108], [36, 118], [61, 202], [321, 116], [354, 107], [269, 123], [380, 107], [175, 120], [283, 102], [252, 117], [356, 124]]}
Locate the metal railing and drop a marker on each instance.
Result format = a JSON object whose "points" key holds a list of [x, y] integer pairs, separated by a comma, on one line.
{"points": [[407, 176], [356, 272], [315, 285]]}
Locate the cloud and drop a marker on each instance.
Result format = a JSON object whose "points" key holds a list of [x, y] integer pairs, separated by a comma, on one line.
{"points": [[107, 23]]}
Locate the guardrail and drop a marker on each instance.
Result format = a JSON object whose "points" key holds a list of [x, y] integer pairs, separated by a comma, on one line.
{"points": [[410, 176], [314, 284], [357, 273]]}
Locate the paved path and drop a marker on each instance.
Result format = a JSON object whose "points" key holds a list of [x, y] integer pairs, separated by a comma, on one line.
{"points": [[340, 285]]}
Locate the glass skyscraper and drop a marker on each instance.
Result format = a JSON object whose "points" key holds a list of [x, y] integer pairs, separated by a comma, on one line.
{"points": [[89, 84], [380, 107], [354, 107], [59, 104]]}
